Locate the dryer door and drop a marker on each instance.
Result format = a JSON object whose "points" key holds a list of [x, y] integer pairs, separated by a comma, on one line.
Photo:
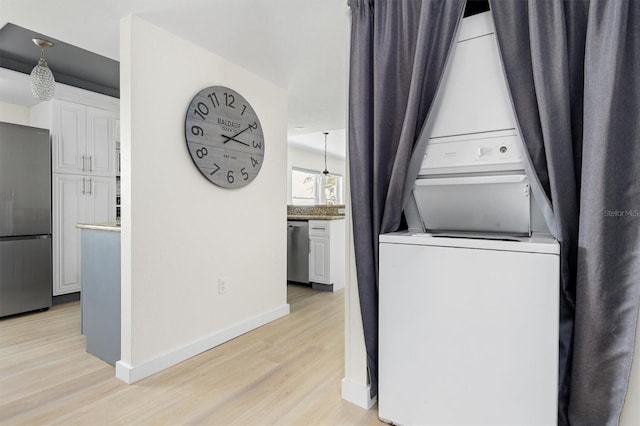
{"points": [[497, 203]]}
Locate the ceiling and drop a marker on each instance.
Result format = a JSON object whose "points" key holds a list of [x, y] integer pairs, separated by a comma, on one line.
{"points": [[315, 142], [73, 66], [300, 45]]}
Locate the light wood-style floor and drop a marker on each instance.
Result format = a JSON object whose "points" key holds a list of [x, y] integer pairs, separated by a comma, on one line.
{"points": [[287, 372]]}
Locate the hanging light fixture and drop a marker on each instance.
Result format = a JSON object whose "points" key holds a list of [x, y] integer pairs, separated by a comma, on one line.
{"points": [[43, 85], [325, 171]]}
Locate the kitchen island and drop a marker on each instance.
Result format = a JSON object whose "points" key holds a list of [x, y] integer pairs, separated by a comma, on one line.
{"points": [[100, 296]]}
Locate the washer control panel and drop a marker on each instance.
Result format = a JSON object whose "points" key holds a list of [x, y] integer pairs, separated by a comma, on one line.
{"points": [[495, 151]]}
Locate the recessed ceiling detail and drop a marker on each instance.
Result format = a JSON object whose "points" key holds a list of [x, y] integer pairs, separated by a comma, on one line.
{"points": [[71, 65]]}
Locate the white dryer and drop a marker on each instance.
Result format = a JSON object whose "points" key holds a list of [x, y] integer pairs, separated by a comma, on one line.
{"points": [[468, 330]]}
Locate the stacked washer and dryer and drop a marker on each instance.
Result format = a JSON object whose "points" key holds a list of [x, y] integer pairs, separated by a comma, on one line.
{"points": [[468, 296]]}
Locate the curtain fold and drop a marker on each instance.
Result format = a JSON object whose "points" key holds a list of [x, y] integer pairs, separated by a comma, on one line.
{"points": [[572, 71], [398, 53]]}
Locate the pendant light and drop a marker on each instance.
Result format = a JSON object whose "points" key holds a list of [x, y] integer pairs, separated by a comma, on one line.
{"points": [[43, 85], [325, 171]]}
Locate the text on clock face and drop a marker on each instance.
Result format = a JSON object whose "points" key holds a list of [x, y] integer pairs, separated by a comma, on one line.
{"points": [[203, 152], [228, 123]]}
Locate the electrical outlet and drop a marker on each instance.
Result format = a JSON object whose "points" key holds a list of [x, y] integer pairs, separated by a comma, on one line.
{"points": [[222, 285]]}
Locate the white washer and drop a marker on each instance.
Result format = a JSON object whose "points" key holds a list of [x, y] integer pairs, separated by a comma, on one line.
{"points": [[468, 330]]}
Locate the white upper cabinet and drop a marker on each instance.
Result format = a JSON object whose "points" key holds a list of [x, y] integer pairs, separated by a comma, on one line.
{"points": [[83, 137], [69, 137], [101, 142]]}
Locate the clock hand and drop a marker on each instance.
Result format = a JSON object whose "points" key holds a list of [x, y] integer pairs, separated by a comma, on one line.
{"points": [[233, 139], [240, 132]]}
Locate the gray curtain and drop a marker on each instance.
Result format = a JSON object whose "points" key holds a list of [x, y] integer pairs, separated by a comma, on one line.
{"points": [[398, 53], [573, 68]]}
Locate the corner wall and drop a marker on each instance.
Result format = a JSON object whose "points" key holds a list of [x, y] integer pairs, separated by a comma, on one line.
{"points": [[355, 386], [180, 233]]}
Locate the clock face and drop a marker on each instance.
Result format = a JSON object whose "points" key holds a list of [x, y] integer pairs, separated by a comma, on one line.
{"points": [[224, 137]]}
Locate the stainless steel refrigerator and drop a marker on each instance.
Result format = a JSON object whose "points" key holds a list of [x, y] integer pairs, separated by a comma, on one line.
{"points": [[25, 219]]}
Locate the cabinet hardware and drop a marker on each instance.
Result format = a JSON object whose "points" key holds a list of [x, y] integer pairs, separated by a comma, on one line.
{"points": [[84, 186], [84, 167], [91, 163]]}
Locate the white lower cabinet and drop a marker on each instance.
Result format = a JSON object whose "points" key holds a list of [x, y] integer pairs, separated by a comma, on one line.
{"points": [[77, 199], [327, 252], [102, 195], [319, 266]]}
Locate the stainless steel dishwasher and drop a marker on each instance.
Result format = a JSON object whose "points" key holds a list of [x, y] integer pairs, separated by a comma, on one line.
{"points": [[298, 251]]}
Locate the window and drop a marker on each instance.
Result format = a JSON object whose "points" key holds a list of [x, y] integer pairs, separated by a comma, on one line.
{"points": [[311, 187]]}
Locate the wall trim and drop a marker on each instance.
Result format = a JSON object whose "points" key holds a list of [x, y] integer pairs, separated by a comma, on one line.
{"points": [[85, 97], [357, 394], [131, 374]]}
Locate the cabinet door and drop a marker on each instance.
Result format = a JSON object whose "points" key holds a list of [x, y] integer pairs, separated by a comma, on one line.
{"points": [[70, 208], [102, 199], [117, 124], [319, 260], [101, 142], [69, 138]]}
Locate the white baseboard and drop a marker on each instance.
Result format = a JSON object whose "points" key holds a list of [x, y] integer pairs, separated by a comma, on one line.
{"points": [[131, 374], [357, 394]]}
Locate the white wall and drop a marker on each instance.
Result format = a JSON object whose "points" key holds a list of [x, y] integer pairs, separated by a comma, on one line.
{"points": [[180, 233], [312, 160], [355, 384], [16, 114]]}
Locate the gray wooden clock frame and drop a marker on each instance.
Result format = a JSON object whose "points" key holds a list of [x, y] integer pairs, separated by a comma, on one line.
{"points": [[224, 137]]}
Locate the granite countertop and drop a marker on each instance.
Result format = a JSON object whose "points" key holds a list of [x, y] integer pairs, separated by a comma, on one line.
{"points": [[316, 212], [313, 217], [111, 226]]}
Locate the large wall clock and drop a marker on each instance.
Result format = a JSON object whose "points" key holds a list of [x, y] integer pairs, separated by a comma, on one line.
{"points": [[224, 137]]}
